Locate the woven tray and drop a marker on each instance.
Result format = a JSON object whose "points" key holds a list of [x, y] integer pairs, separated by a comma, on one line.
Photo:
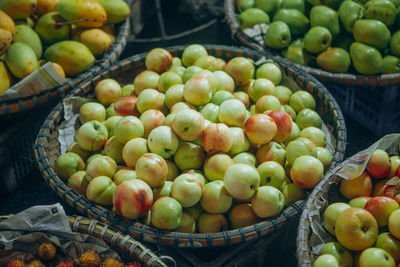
{"points": [[128, 248], [15, 106], [47, 150]]}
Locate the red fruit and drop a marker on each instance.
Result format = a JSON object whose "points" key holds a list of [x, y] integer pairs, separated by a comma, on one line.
{"points": [[135, 264], [392, 191], [65, 264], [379, 164], [15, 263], [283, 122], [126, 105], [397, 172]]}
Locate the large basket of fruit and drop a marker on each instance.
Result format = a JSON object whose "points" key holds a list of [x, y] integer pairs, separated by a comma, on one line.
{"points": [[176, 149], [79, 38], [350, 46], [353, 214]]}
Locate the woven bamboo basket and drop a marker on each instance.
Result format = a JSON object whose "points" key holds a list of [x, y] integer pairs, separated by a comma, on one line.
{"points": [[13, 107], [325, 193], [127, 248], [47, 150], [371, 100]]}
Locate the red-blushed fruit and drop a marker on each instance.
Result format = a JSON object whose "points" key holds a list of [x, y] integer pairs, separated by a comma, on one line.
{"points": [[397, 172], [379, 188], [379, 164], [47, 251], [283, 123], [144, 80], [381, 208], [158, 60], [271, 151], [376, 257], [107, 91], [241, 69], [307, 171], [392, 191], [133, 198], [65, 264], [126, 105], [389, 243], [260, 129], [359, 202], [357, 187], [135, 264], [216, 137], [15, 263]]}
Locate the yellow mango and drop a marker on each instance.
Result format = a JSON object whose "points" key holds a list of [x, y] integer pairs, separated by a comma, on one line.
{"points": [[96, 40], [5, 78], [59, 69], [6, 22], [74, 57], [18, 9], [6, 38], [109, 28], [21, 60], [89, 10], [25, 34], [117, 10], [45, 6]]}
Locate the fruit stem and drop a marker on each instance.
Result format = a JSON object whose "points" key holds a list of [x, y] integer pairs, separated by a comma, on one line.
{"points": [[62, 23]]}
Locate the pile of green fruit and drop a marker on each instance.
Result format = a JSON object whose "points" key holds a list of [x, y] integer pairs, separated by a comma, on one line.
{"points": [[337, 36], [197, 142], [68, 33]]}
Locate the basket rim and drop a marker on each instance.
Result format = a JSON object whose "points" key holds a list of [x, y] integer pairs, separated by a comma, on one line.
{"points": [[340, 78], [111, 236], [53, 94], [141, 231]]}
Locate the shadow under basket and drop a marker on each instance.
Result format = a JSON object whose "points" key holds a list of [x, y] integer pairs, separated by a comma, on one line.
{"points": [[373, 100], [47, 149]]}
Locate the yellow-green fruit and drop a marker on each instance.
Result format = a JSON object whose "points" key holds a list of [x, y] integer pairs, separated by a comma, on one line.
{"points": [[48, 30], [6, 22], [5, 40], [21, 60], [74, 57], [89, 10], [5, 78], [117, 10], [366, 59], [96, 40], [25, 34], [18, 9], [45, 6]]}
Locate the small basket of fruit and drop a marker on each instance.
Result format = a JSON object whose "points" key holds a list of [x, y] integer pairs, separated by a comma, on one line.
{"points": [[174, 158], [352, 218], [79, 38], [351, 46]]}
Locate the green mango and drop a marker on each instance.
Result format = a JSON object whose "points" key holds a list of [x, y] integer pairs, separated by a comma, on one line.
{"points": [[371, 32], [297, 55], [334, 60], [48, 30], [294, 4], [245, 4], [382, 10], [366, 59], [391, 64], [25, 34], [251, 17], [278, 35], [21, 60], [5, 78], [317, 39], [268, 6], [74, 57], [326, 17], [343, 40], [117, 10], [295, 19], [18, 9], [350, 11], [395, 44]]}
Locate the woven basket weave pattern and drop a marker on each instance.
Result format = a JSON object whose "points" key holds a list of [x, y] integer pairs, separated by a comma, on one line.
{"points": [[125, 70]]}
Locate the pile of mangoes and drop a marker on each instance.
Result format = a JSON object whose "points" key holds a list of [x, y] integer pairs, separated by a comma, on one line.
{"points": [[337, 36], [68, 33]]}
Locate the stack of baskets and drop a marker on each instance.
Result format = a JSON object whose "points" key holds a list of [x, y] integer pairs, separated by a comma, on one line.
{"points": [[274, 230]]}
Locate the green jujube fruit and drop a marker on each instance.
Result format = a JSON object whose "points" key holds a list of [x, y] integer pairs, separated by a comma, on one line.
{"points": [[317, 39], [21, 60], [395, 44], [74, 57], [371, 32], [366, 59], [295, 4], [268, 6], [295, 19], [391, 64], [334, 60], [245, 4], [325, 17], [251, 17], [48, 30], [278, 35], [350, 11], [297, 55], [25, 34], [117, 10], [382, 10]]}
